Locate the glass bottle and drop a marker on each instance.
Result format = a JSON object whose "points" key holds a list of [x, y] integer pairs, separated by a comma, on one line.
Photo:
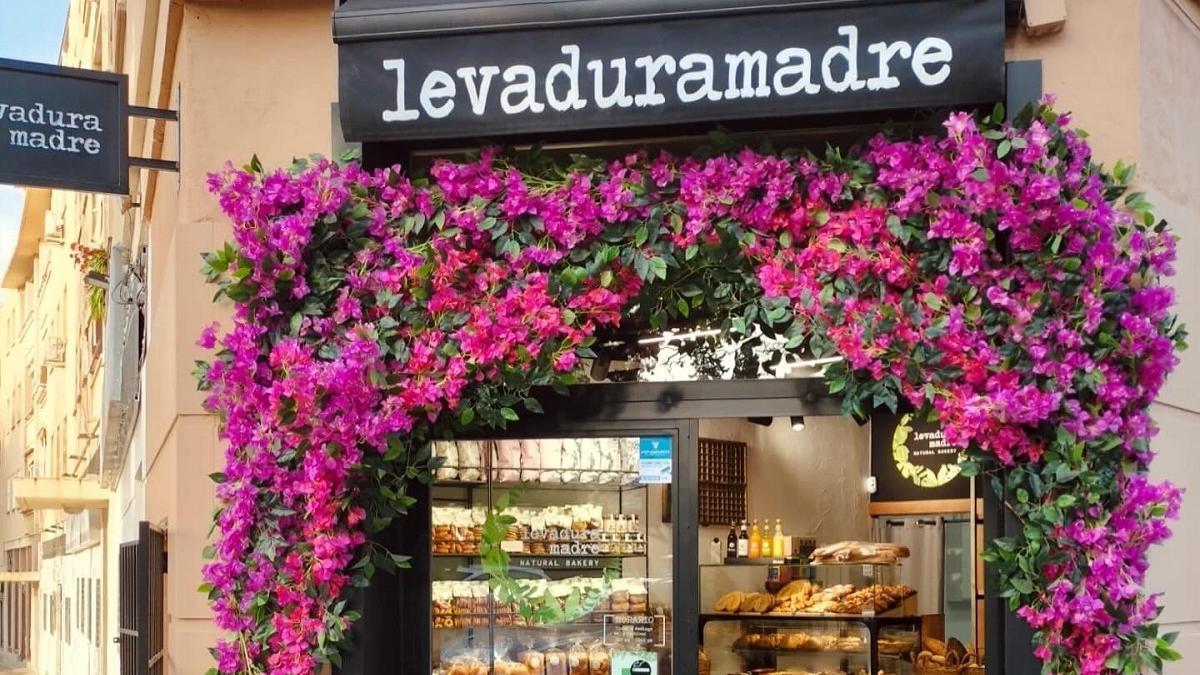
{"points": [[756, 540], [777, 543], [731, 542], [743, 545]]}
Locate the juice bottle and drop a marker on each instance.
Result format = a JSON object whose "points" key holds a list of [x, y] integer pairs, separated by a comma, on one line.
{"points": [[777, 541], [756, 541]]}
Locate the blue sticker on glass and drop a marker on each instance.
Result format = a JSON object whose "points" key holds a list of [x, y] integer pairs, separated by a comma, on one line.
{"points": [[655, 455]]}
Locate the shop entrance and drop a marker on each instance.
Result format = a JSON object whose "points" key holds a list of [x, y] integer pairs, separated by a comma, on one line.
{"points": [[671, 581]]}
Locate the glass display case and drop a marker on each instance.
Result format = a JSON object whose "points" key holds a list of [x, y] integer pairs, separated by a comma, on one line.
{"points": [[549, 556], [797, 618]]}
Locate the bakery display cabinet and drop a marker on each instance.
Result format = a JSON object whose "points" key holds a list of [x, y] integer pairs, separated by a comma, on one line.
{"points": [[564, 522], [828, 613]]}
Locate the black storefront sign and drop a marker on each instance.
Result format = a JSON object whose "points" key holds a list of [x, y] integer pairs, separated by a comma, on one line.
{"points": [[63, 128], [796, 59], [911, 460]]}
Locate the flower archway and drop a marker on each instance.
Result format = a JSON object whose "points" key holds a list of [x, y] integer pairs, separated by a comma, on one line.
{"points": [[994, 277]]}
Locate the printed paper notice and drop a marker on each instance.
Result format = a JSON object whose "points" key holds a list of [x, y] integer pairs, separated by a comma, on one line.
{"points": [[655, 459]]}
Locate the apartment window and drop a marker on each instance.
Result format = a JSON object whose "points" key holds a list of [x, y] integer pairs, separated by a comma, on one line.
{"points": [[98, 608], [89, 608]]}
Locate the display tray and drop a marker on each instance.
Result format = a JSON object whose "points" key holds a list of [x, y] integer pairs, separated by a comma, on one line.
{"points": [[894, 615], [754, 651]]}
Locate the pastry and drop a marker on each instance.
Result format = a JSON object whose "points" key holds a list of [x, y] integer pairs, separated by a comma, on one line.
{"points": [[730, 602], [762, 603], [748, 602]]}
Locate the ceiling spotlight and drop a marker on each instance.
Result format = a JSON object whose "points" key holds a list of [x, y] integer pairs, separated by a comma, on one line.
{"points": [[761, 421], [797, 422]]}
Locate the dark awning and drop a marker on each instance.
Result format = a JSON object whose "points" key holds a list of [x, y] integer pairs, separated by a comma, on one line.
{"points": [[376, 19]]}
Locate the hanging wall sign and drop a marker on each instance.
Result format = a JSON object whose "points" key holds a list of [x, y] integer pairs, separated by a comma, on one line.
{"points": [[63, 128], [676, 68], [911, 460]]}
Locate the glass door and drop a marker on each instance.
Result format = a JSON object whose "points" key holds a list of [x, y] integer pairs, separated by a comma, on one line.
{"points": [[551, 552]]}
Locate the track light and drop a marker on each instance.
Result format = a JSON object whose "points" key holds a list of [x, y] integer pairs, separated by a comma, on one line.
{"points": [[797, 422], [761, 421]]}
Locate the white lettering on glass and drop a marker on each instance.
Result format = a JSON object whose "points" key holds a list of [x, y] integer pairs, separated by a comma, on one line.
{"points": [[705, 90], [653, 65]]}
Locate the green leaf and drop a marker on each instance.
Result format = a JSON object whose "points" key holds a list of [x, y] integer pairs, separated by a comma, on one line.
{"points": [[658, 267], [217, 477], [509, 414], [980, 174], [683, 307], [640, 235], [466, 416], [1003, 149]]}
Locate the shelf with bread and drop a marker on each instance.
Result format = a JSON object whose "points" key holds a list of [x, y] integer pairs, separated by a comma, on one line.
{"points": [[839, 605], [600, 464]]}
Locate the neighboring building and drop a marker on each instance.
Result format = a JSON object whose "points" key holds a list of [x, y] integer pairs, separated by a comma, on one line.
{"points": [[103, 418]]}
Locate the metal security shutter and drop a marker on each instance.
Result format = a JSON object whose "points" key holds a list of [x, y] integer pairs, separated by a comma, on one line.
{"points": [[143, 563]]}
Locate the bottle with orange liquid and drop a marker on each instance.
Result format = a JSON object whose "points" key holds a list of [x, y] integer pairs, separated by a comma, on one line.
{"points": [[756, 541]]}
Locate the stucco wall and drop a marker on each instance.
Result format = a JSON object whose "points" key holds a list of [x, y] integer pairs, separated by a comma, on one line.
{"points": [[1169, 88], [249, 78]]}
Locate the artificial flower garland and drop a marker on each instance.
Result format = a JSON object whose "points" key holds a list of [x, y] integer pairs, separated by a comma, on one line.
{"points": [[990, 277]]}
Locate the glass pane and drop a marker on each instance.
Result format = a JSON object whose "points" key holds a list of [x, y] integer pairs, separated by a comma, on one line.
{"points": [[550, 556]]}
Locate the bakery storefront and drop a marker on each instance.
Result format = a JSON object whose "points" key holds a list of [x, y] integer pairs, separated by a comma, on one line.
{"points": [[694, 508]]}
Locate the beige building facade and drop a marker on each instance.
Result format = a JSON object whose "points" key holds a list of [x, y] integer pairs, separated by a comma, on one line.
{"points": [[260, 77]]}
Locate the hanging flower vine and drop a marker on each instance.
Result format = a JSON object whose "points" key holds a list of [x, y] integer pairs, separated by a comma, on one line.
{"points": [[994, 277]]}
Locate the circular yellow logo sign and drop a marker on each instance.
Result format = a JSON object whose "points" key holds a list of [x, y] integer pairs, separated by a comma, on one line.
{"points": [[925, 465]]}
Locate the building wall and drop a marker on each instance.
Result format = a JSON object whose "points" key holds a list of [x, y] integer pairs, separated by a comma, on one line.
{"points": [[259, 77], [234, 104], [1128, 72]]}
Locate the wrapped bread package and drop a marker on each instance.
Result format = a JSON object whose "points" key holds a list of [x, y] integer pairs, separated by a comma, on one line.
{"points": [[630, 460], [531, 460], [506, 461], [470, 461], [550, 453], [570, 460], [589, 460], [447, 451]]}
